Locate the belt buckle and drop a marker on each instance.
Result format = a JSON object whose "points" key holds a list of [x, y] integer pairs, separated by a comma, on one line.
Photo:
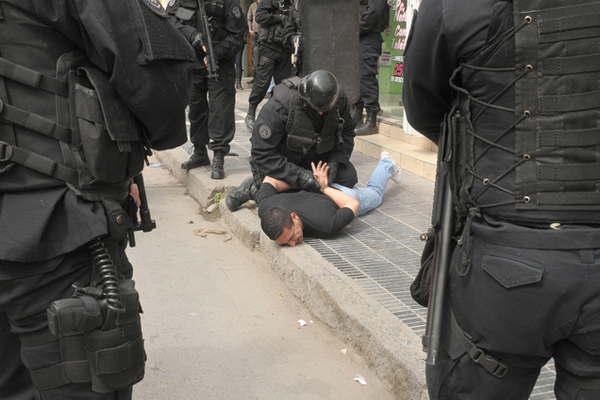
{"points": [[6, 152]]}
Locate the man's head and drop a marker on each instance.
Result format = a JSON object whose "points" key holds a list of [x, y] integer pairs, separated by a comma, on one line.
{"points": [[320, 90], [283, 226]]}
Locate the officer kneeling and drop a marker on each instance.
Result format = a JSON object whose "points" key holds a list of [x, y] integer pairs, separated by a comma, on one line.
{"points": [[307, 120]]}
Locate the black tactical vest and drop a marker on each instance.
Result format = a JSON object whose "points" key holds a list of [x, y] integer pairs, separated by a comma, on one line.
{"points": [[525, 129], [60, 120], [215, 11], [302, 138]]}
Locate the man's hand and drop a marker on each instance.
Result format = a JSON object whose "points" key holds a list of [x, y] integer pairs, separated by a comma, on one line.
{"points": [[307, 181], [134, 193], [321, 173]]}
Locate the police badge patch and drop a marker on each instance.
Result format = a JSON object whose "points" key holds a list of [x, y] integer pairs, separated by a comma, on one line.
{"points": [[156, 7], [265, 132]]}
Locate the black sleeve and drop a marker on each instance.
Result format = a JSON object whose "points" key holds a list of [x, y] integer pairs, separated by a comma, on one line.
{"points": [[269, 132], [234, 25], [147, 60], [343, 151], [266, 14], [266, 190], [427, 71], [342, 218]]}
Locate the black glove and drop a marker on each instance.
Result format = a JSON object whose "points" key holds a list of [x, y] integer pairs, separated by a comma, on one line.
{"points": [[307, 181], [333, 171]]}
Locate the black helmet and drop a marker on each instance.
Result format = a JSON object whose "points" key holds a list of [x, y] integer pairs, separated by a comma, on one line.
{"points": [[320, 90]]}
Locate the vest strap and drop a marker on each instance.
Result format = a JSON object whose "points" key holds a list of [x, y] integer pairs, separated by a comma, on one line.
{"points": [[570, 138], [34, 79], [37, 162], [569, 23], [571, 65], [569, 172], [569, 198], [569, 102], [34, 122], [61, 374]]}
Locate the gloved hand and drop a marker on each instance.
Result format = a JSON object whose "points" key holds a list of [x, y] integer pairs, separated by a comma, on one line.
{"points": [[307, 181], [333, 171]]}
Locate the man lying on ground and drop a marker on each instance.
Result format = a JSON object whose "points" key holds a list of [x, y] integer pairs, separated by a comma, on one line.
{"points": [[287, 215]]}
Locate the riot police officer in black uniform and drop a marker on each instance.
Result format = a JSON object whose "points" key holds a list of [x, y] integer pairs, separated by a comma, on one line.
{"points": [[85, 87], [516, 84], [278, 22], [374, 19], [212, 106], [307, 120]]}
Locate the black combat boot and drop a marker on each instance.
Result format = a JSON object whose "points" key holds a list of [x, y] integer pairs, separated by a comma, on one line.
{"points": [[369, 127], [218, 164], [198, 159], [241, 194], [250, 117]]}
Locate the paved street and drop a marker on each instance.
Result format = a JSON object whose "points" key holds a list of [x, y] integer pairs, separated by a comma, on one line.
{"points": [[219, 324]]}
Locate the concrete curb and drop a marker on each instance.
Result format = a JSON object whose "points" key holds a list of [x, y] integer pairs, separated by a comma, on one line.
{"points": [[389, 347]]}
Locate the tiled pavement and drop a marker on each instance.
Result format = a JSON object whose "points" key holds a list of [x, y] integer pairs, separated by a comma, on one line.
{"points": [[381, 250]]}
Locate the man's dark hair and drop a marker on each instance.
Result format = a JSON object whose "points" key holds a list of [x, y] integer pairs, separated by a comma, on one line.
{"points": [[274, 220]]}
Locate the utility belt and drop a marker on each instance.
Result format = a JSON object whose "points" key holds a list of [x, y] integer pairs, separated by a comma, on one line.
{"points": [[102, 143]]}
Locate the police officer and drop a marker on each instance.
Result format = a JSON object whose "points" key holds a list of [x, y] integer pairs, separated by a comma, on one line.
{"points": [[517, 84], [307, 120], [85, 87], [212, 106], [278, 24], [374, 19]]}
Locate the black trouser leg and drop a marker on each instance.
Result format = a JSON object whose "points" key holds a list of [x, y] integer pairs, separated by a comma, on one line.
{"points": [[370, 48], [283, 68], [239, 69], [522, 306], [221, 120], [262, 79], [15, 382], [199, 110]]}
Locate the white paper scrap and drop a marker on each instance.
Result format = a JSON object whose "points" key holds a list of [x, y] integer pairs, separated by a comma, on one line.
{"points": [[302, 323], [360, 379]]}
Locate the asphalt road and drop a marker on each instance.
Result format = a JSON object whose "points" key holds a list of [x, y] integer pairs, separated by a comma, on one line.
{"points": [[219, 324]]}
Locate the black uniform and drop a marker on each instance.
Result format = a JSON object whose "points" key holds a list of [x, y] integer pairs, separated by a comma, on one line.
{"points": [[277, 27], [289, 135], [84, 86], [212, 106], [374, 19], [518, 82]]}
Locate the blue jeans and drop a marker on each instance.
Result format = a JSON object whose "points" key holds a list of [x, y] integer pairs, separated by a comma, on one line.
{"points": [[371, 197]]}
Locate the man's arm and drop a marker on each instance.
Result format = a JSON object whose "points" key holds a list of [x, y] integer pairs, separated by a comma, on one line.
{"points": [[279, 185], [375, 10], [266, 14], [341, 199], [147, 60], [427, 70], [231, 45]]}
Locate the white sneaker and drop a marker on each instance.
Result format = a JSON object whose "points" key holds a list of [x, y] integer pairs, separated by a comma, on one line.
{"points": [[397, 173]]}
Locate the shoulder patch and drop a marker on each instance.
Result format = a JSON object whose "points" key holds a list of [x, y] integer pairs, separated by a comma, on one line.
{"points": [[265, 132], [237, 12], [155, 6]]}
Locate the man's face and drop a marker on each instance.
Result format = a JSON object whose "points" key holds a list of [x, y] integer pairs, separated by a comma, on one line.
{"points": [[294, 235]]}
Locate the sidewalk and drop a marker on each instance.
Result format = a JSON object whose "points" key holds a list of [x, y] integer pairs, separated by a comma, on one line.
{"points": [[357, 283]]}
